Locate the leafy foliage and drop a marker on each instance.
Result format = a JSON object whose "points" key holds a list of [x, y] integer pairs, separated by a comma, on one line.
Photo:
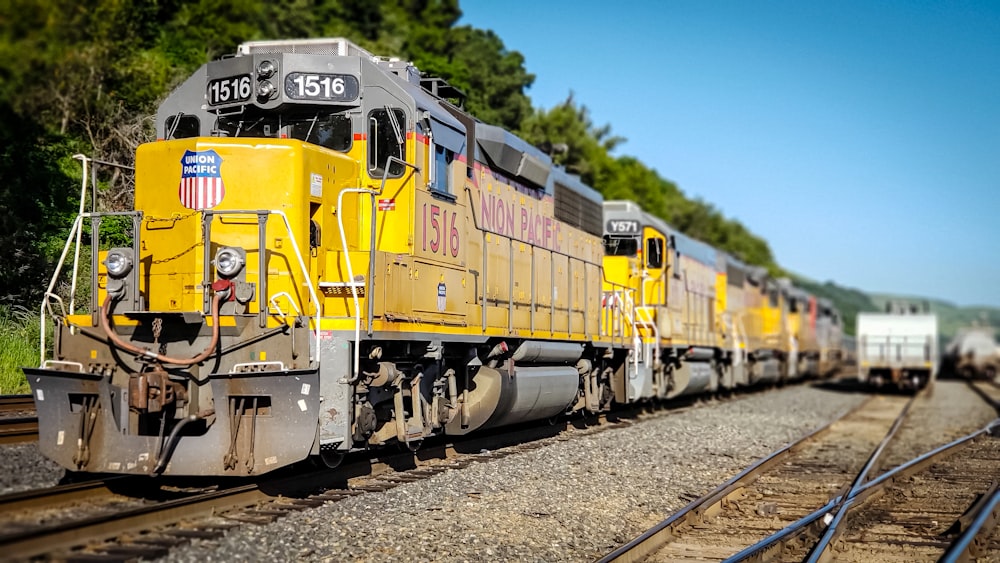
{"points": [[38, 203], [588, 151], [19, 336]]}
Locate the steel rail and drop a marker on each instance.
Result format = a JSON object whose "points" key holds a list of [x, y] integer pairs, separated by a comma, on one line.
{"points": [[18, 430], [972, 543], [824, 514], [53, 496], [68, 535], [651, 540], [15, 403], [376, 474], [836, 505], [977, 387]]}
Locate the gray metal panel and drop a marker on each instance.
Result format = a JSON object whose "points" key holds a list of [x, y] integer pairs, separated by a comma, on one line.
{"points": [[281, 438], [336, 411], [630, 211], [324, 46], [502, 150], [757, 275], [451, 138], [573, 182], [693, 248], [736, 271], [187, 99]]}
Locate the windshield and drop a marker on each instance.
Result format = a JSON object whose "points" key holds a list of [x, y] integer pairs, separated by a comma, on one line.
{"points": [[332, 131], [620, 246]]}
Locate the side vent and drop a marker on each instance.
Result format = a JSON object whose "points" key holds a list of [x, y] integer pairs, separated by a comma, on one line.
{"points": [[578, 211]]}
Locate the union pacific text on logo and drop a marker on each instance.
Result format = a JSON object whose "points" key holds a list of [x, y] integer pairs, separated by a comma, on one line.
{"points": [[201, 180]]}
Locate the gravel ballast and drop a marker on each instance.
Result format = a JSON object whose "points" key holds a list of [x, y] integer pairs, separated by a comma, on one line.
{"points": [[23, 468], [572, 500]]}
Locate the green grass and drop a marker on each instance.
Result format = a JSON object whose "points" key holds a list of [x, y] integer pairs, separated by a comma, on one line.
{"points": [[18, 347]]}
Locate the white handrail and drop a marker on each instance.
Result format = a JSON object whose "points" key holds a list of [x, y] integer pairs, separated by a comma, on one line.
{"points": [[350, 269], [79, 234], [281, 313], [52, 284], [648, 323], [305, 272]]}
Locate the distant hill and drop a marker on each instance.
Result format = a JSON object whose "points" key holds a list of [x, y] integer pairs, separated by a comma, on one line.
{"points": [[852, 301], [849, 301]]}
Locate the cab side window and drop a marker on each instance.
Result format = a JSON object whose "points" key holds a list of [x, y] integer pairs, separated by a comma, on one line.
{"points": [[654, 253], [442, 165], [386, 138]]}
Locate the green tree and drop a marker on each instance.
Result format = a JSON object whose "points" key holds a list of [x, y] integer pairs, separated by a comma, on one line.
{"points": [[39, 201], [475, 61], [584, 149]]}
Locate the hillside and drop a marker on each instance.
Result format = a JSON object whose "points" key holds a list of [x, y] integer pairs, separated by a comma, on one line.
{"points": [[852, 301], [848, 300]]}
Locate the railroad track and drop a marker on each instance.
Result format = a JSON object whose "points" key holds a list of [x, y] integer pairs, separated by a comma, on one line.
{"points": [[796, 505], [129, 517], [989, 391], [17, 421], [774, 492], [924, 510]]}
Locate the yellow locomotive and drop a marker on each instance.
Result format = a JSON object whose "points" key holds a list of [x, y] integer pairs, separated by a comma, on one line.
{"points": [[327, 255]]}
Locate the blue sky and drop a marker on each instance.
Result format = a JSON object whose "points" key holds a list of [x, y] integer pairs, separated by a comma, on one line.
{"points": [[860, 139]]}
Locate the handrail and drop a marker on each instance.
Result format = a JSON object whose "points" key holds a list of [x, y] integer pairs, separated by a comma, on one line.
{"points": [[76, 233], [648, 323], [79, 234], [350, 273], [263, 300], [305, 272], [372, 194], [274, 303], [52, 284]]}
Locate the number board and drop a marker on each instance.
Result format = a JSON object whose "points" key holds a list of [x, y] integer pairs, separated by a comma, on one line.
{"points": [[321, 87], [229, 90], [622, 227]]}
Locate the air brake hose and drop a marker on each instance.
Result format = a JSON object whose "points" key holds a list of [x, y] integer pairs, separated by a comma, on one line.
{"points": [[106, 314]]}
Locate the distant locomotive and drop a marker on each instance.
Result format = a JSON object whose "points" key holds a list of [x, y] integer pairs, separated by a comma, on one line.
{"points": [[329, 256]]}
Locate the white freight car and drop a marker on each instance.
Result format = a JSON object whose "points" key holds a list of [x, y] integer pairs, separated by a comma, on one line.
{"points": [[897, 350]]}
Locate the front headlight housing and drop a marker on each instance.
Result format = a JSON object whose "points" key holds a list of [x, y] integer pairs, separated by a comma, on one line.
{"points": [[118, 262], [265, 70], [229, 261], [265, 90]]}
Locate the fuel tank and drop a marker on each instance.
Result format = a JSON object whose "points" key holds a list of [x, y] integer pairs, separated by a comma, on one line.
{"points": [[513, 394]]}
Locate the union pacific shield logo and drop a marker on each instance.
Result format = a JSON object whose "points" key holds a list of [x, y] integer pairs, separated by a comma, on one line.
{"points": [[201, 180]]}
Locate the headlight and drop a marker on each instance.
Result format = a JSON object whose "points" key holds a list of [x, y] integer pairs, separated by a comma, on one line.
{"points": [[118, 262], [265, 90], [228, 262], [265, 70]]}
